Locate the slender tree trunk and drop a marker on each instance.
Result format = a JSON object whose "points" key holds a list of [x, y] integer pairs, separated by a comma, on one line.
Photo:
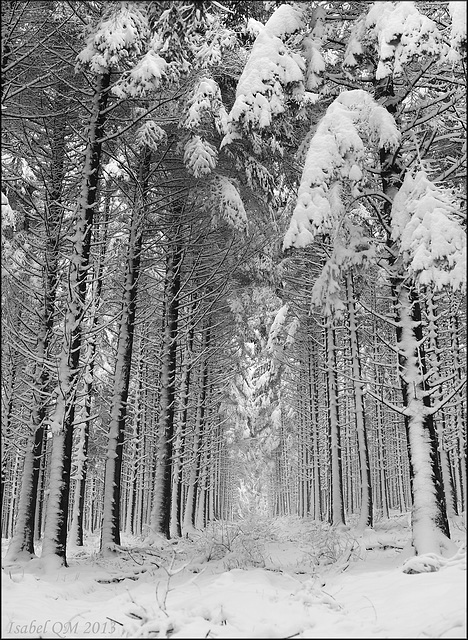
{"points": [[337, 504], [161, 507], [62, 419], [40, 492], [381, 461], [399, 475], [12, 512], [460, 413], [176, 506], [76, 528], [195, 469], [133, 463], [366, 515], [200, 501], [433, 352], [110, 535], [8, 400], [313, 377]]}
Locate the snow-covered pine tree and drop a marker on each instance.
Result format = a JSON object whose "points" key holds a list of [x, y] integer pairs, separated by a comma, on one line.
{"points": [[62, 418], [119, 33], [335, 154]]}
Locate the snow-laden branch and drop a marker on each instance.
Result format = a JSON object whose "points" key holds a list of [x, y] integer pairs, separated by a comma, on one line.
{"points": [[402, 34], [386, 402], [274, 71], [431, 242], [447, 399], [336, 153]]}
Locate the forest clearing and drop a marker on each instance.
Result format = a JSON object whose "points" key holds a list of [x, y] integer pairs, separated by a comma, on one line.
{"points": [[233, 318]]}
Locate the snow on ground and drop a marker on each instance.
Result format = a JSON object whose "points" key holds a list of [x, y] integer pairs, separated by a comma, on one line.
{"points": [[282, 578]]}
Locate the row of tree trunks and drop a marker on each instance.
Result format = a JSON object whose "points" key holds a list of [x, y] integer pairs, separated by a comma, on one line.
{"points": [[23, 540]]}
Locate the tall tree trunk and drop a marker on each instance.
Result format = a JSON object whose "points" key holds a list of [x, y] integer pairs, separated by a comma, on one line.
{"points": [[138, 417], [366, 515], [337, 504], [162, 498], [195, 469], [460, 413], [433, 358], [62, 419], [429, 515], [381, 463], [38, 520], [76, 527], [429, 506], [110, 534], [313, 396], [176, 502], [8, 402]]}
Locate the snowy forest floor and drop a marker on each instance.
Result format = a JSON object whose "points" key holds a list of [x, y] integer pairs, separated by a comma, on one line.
{"points": [[256, 578]]}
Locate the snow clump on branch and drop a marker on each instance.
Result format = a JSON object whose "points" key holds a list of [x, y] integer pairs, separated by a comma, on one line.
{"points": [[146, 76], [121, 38], [206, 101], [458, 28], [276, 327], [151, 135], [351, 248], [336, 152], [200, 157], [8, 214], [118, 36], [226, 200], [271, 69], [403, 33], [432, 242]]}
